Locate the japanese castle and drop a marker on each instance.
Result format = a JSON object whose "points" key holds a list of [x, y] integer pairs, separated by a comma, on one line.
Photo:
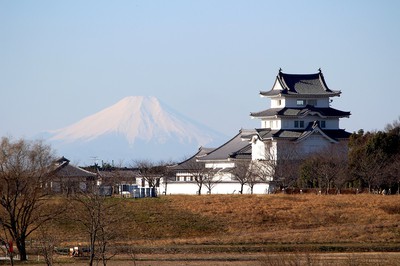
{"points": [[300, 114], [300, 120]]}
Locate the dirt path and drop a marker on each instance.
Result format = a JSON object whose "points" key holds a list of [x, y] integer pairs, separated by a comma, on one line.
{"points": [[262, 259]]}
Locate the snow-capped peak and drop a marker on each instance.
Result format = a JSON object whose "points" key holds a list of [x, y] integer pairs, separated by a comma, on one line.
{"points": [[134, 118]]}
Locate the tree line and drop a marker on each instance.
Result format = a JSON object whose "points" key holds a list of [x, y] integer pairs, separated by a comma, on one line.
{"points": [[371, 163]]}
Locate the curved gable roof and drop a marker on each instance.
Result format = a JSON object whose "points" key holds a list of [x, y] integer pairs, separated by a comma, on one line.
{"points": [[301, 112], [188, 162], [301, 84], [333, 135], [233, 148], [312, 129]]}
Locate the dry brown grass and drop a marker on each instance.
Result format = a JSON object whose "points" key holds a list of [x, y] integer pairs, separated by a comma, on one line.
{"points": [[314, 222], [300, 218]]}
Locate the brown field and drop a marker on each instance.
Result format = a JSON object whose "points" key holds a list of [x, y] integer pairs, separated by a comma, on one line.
{"points": [[241, 229]]}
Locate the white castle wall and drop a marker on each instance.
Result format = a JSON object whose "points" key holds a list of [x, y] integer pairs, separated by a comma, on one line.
{"points": [[191, 188]]}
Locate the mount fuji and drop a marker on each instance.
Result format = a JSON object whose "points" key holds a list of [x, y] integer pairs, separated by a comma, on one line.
{"points": [[136, 127]]}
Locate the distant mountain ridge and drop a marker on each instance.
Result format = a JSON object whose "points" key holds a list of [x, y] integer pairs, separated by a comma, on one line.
{"points": [[135, 127]]}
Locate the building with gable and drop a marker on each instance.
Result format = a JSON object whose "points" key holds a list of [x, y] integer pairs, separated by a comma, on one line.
{"points": [[188, 175], [209, 170], [69, 179], [299, 122]]}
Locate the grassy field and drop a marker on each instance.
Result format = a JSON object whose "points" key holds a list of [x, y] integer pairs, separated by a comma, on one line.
{"points": [[281, 220], [248, 224]]}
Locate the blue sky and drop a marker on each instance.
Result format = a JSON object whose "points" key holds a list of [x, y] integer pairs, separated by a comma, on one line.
{"points": [[61, 61]]}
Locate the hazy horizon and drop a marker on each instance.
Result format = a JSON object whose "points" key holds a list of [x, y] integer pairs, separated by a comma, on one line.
{"points": [[61, 61]]}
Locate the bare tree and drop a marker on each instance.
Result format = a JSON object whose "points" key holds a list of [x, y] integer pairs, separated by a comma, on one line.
{"points": [[242, 172], [334, 166], [326, 169], [393, 167], [264, 169], [369, 158], [47, 245], [395, 124], [23, 171], [253, 177], [198, 172], [167, 179], [286, 172], [95, 213], [394, 172], [372, 168], [280, 170], [150, 172], [168, 174], [212, 178], [107, 233]]}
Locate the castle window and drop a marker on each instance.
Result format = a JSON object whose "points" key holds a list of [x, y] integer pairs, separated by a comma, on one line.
{"points": [[301, 102], [298, 124], [312, 102], [279, 102]]}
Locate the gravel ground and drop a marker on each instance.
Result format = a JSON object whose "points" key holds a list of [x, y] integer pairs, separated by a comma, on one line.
{"points": [[262, 259]]}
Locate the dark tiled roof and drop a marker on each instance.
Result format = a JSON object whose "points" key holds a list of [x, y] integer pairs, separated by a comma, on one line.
{"points": [[302, 111], [301, 84], [187, 164], [62, 160], [65, 170], [231, 149], [312, 128], [335, 134], [244, 153], [261, 132], [266, 133], [119, 174], [338, 134]]}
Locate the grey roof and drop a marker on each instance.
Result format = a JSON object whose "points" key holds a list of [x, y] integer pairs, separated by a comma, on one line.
{"points": [[301, 111], [233, 148], [120, 174], [65, 170], [187, 164], [244, 153], [335, 134], [62, 160], [301, 84]]}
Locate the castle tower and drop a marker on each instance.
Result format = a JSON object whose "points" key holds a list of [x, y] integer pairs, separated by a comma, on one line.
{"points": [[300, 119]]}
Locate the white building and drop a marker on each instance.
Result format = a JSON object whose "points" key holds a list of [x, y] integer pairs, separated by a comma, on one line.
{"points": [[300, 121], [211, 169], [300, 118]]}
